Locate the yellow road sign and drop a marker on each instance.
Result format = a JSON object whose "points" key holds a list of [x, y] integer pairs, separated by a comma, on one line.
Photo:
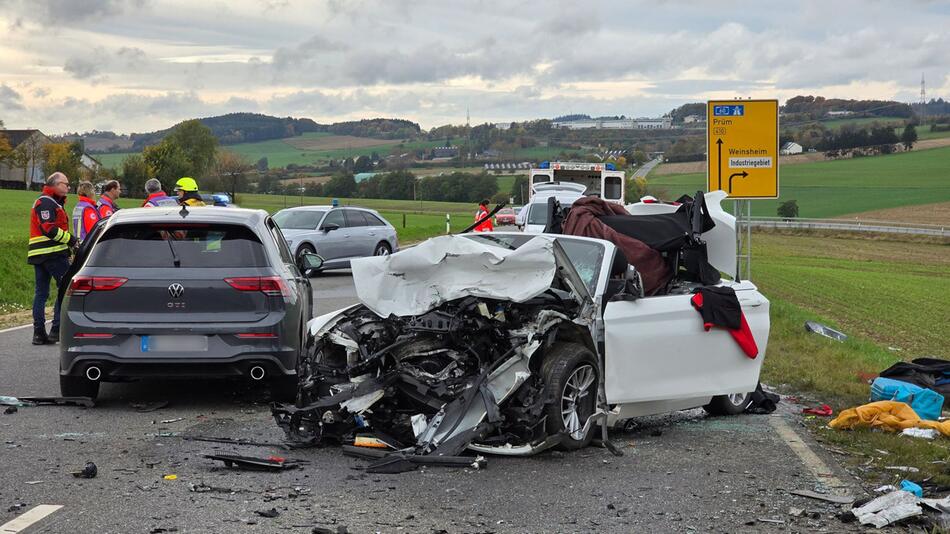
{"points": [[742, 148]]}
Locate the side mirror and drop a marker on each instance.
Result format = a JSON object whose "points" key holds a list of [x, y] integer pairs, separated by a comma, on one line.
{"points": [[308, 261], [329, 227]]}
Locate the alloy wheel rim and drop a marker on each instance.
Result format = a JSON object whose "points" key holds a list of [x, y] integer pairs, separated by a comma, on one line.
{"points": [[575, 390], [737, 399]]}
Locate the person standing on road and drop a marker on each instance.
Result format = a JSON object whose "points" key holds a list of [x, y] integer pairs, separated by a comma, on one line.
{"points": [[480, 214], [187, 190], [85, 214], [156, 197], [110, 193], [48, 253]]}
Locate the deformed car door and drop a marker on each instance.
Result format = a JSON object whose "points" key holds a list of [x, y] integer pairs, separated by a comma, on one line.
{"points": [[657, 349]]}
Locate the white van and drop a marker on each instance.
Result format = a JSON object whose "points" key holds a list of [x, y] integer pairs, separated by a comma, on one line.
{"points": [[534, 216]]}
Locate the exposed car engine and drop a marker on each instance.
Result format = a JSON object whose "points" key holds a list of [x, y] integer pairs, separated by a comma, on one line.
{"points": [[467, 371]]}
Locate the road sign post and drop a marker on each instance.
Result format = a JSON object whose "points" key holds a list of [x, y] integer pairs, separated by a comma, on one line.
{"points": [[742, 160]]}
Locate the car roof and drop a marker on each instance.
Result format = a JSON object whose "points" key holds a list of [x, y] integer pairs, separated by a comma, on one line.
{"points": [[324, 208], [195, 214]]}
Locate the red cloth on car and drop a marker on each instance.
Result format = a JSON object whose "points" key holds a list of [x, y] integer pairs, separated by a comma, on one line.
{"points": [[582, 221], [742, 335]]}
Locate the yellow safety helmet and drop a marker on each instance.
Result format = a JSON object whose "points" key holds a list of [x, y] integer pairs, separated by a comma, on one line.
{"points": [[186, 184]]}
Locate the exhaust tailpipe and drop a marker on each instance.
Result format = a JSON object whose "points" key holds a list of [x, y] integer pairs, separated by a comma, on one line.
{"points": [[257, 373], [93, 373]]}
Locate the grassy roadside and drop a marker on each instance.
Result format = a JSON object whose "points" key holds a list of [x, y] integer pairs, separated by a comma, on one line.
{"points": [[892, 298]]}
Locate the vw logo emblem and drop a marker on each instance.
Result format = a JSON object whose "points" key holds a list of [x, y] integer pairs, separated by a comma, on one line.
{"points": [[176, 290]]}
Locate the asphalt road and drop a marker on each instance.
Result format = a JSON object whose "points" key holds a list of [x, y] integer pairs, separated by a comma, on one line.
{"points": [[681, 472]]}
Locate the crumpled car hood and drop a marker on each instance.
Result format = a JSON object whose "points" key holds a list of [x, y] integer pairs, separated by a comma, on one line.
{"points": [[417, 280]]}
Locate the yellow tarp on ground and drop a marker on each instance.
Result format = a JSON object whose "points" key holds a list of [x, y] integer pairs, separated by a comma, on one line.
{"points": [[891, 416]]}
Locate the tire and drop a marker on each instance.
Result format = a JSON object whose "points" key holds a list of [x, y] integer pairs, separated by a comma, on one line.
{"points": [[382, 249], [732, 404], [78, 386], [284, 389], [571, 383]]}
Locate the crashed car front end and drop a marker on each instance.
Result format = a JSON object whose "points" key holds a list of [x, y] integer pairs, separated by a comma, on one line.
{"points": [[467, 364]]}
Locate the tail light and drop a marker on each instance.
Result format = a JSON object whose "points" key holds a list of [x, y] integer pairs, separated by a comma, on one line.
{"points": [[82, 285], [257, 335], [268, 285], [91, 335]]}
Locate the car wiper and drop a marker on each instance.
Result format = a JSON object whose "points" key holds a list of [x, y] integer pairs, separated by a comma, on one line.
{"points": [[174, 254]]}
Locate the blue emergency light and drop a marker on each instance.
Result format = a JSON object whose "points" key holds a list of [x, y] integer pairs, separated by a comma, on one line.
{"points": [[610, 167], [545, 165]]}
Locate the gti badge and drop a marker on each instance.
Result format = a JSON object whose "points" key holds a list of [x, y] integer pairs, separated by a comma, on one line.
{"points": [[176, 290]]}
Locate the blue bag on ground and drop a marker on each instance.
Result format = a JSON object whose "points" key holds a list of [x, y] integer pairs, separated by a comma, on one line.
{"points": [[927, 403]]}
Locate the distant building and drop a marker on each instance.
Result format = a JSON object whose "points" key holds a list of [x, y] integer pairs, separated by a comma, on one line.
{"points": [[30, 171], [693, 118], [503, 125], [362, 176], [790, 148], [642, 123], [442, 152], [840, 113]]}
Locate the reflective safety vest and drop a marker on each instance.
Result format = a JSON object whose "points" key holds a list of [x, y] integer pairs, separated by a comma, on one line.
{"points": [[159, 199], [49, 229], [485, 226], [85, 216], [106, 207]]}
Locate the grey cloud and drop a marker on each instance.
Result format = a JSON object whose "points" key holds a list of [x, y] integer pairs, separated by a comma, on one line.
{"points": [[81, 68], [302, 55], [41, 92], [10, 99], [68, 12]]}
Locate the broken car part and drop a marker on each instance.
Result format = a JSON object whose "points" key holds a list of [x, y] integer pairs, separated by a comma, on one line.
{"points": [[273, 463], [826, 331]]}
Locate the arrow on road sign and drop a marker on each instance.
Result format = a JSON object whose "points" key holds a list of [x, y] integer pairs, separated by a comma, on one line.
{"points": [[719, 142], [742, 174]]}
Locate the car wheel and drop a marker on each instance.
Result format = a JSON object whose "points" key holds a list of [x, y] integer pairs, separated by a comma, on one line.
{"points": [[571, 383], [382, 249], [732, 404], [78, 386], [284, 389]]}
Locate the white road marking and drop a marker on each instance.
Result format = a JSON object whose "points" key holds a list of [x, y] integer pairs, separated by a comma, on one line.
{"points": [[21, 523], [21, 327], [818, 468]]}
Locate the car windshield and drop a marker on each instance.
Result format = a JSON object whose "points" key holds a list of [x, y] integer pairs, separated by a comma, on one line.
{"points": [[178, 245], [506, 211], [586, 256], [298, 219]]}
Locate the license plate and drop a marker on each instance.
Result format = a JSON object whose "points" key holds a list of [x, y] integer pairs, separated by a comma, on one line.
{"points": [[174, 343]]}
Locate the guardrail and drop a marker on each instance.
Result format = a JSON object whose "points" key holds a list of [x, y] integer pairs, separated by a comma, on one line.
{"points": [[886, 227]]}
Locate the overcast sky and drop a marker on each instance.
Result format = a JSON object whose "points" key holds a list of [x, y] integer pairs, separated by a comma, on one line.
{"points": [[140, 65]]}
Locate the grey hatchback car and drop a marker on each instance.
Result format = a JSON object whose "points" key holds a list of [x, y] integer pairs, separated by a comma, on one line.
{"points": [[168, 292], [337, 234]]}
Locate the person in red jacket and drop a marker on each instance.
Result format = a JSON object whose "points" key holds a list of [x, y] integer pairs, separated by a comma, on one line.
{"points": [[85, 214], [107, 202], [480, 214], [48, 252]]}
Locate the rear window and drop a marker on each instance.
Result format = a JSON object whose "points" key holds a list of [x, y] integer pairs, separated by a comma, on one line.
{"points": [[193, 245]]}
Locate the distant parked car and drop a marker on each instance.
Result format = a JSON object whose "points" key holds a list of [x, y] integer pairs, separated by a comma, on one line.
{"points": [[505, 216], [339, 234]]}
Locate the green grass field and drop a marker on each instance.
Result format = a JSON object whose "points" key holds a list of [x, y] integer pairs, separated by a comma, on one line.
{"points": [[833, 188], [280, 153]]}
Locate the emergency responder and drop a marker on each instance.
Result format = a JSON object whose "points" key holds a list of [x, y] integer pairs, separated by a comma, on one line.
{"points": [[48, 253], [110, 193], [187, 190], [156, 197], [482, 213], [85, 214]]}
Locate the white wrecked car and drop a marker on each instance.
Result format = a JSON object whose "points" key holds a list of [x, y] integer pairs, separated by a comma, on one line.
{"points": [[511, 343]]}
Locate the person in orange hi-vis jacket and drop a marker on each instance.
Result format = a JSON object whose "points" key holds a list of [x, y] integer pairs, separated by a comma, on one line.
{"points": [[481, 214]]}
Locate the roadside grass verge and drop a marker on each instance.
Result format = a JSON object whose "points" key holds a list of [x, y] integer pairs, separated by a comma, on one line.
{"points": [[834, 188], [885, 295]]}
